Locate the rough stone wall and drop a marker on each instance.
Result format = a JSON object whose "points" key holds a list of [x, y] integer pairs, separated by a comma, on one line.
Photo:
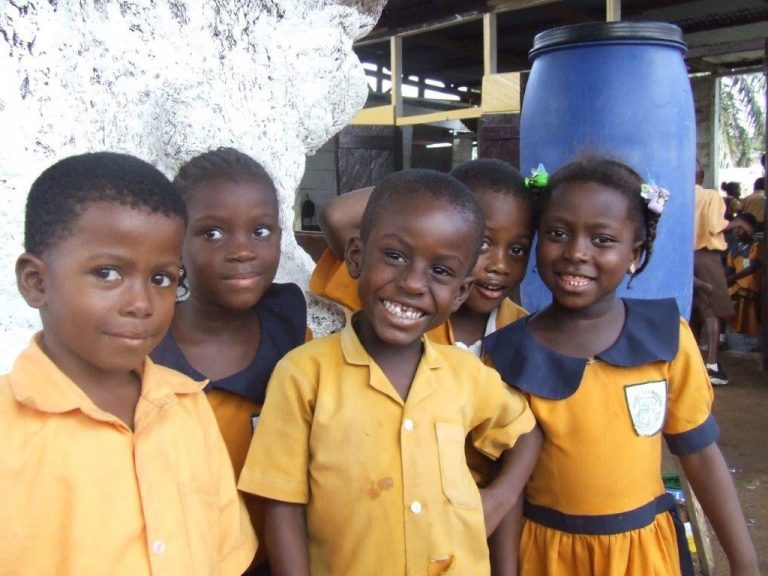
{"points": [[164, 80]]}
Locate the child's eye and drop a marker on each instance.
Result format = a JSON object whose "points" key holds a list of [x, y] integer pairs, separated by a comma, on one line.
{"points": [[262, 232], [602, 240], [556, 235], [108, 274], [442, 271], [518, 251], [163, 280], [392, 255], [213, 234], [485, 246]]}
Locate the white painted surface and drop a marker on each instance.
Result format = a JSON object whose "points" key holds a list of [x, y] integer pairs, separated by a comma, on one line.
{"points": [[165, 80]]}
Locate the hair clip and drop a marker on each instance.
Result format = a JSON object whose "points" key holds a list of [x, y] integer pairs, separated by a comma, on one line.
{"points": [[538, 179], [655, 197]]}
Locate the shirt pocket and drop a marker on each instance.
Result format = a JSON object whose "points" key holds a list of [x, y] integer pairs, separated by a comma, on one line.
{"points": [[200, 506], [458, 485]]}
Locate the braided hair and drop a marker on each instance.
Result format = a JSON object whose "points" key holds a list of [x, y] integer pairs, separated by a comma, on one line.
{"points": [[222, 163], [616, 176]]}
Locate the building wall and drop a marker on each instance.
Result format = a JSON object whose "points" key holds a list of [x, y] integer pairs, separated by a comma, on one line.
{"points": [[164, 80]]}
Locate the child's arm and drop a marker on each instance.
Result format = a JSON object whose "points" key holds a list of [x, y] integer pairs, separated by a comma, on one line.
{"points": [[340, 219], [285, 532], [708, 474], [517, 463], [504, 543]]}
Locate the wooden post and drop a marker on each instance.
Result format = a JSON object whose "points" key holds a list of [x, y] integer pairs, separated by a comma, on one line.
{"points": [[612, 10], [396, 73], [490, 50], [764, 319]]}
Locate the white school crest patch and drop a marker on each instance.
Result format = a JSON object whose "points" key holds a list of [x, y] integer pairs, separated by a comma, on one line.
{"points": [[647, 405]]}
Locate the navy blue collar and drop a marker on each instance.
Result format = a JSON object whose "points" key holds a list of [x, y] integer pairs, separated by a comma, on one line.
{"points": [[650, 334]]}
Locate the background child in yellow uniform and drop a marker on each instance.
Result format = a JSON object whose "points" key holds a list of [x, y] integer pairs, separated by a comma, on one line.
{"points": [[744, 276], [605, 378], [236, 323], [360, 446], [110, 464], [508, 211]]}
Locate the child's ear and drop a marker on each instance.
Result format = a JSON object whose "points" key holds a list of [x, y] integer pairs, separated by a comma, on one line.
{"points": [[353, 256], [31, 273], [637, 253], [463, 293]]}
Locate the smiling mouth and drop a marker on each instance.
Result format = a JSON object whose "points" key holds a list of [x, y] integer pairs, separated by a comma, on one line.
{"points": [[401, 311], [574, 281], [490, 289]]}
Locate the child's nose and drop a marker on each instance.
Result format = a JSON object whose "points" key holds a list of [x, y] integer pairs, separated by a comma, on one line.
{"points": [[577, 249], [240, 249], [412, 279], [496, 261], [138, 301]]}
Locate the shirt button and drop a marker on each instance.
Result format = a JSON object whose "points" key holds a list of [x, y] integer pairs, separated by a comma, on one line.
{"points": [[158, 547], [415, 506], [408, 424]]}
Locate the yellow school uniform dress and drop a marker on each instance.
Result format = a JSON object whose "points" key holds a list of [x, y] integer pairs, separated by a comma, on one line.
{"points": [[81, 494], [595, 504], [237, 399], [746, 292], [506, 313], [385, 481]]}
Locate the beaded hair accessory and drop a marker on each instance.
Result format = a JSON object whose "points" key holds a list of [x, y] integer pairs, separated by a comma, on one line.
{"points": [[655, 198], [538, 178]]}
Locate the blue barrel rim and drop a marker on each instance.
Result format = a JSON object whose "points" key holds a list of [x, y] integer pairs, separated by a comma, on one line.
{"points": [[607, 32]]}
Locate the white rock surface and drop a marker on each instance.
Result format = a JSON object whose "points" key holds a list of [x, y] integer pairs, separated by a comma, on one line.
{"points": [[165, 80]]}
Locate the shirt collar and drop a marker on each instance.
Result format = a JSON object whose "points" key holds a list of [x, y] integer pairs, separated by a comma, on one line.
{"points": [[36, 381], [650, 334], [355, 353]]}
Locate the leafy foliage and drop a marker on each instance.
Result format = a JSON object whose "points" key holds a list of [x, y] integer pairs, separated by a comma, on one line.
{"points": [[742, 118]]}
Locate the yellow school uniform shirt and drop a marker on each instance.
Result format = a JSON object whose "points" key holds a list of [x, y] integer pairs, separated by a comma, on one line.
{"points": [[755, 204], [709, 220], [506, 313], [81, 494], [385, 481], [595, 503]]}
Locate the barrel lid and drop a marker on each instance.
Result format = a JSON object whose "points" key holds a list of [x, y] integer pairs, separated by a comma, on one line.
{"points": [[589, 32]]}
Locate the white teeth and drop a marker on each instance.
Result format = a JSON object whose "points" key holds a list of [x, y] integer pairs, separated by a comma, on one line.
{"points": [[405, 312], [575, 281]]}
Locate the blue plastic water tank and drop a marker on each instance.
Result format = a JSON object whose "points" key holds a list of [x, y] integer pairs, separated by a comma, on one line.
{"points": [[620, 89]]}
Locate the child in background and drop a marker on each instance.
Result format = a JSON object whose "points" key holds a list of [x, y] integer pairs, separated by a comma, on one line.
{"points": [[360, 447], [744, 276], [110, 464], [236, 323], [507, 207], [605, 378]]}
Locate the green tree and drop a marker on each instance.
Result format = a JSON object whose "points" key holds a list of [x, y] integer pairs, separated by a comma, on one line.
{"points": [[742, 118]]}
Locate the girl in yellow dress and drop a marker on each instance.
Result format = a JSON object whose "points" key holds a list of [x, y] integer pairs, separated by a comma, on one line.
{"points": [[744, 275], [607, 378]]}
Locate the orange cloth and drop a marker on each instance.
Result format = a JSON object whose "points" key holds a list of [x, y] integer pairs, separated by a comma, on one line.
{"points": [[330, 279], [709, 220], [81, 494], [746, 292]]}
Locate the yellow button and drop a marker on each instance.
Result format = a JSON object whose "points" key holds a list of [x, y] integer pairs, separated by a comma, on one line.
{"points": [[415, 506], [408, 424]]}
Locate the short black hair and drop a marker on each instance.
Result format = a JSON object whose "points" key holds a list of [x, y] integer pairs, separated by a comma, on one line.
{"points": [[221, 163], [759, 184], [617, 176], [747, 218], [493, 175], [63, 191], [431, 183]]}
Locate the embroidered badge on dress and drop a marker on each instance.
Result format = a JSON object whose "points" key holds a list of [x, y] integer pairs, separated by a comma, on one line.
{"points": [[647, 405]]}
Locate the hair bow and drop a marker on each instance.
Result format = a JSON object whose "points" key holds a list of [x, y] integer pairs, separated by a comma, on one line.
{"points": [[538, 178], [655, 197]]}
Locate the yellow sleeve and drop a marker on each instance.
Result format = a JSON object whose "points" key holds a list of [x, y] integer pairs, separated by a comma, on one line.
{"points": [[716, 221], [330, 279], [277, 463], [501, 415], [690, 392]]}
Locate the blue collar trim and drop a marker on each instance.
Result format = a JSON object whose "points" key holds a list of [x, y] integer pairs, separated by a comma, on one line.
{"points": [[650, 334]]}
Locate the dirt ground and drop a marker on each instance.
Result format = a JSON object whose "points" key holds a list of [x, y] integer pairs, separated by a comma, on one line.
{"points": [[741, 409]]}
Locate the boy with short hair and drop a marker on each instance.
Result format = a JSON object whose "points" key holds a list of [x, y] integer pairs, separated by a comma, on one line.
{"points": [[360, 445], [110, 464]]}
